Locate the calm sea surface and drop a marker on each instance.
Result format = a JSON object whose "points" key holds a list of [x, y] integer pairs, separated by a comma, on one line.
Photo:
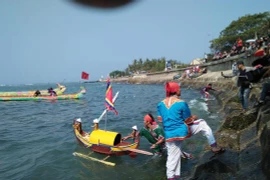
{"points": [[37, 139]]}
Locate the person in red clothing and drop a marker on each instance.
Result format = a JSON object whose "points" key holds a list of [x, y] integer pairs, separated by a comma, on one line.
{"points": [[239, 45]]}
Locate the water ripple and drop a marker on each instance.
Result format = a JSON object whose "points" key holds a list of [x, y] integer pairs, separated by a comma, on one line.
{"points": [[37, 139]]}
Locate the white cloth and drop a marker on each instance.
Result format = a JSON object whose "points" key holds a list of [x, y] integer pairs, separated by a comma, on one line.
{"points": [[174, 151]]}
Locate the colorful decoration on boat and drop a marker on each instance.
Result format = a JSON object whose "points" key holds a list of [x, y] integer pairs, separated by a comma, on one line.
{"points": [[103, 141], [59, 91], [40, 98], [109, 97]]}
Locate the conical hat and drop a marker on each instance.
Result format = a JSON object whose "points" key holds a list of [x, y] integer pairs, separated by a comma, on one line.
{"points": [[135, 128], [79, 120]]}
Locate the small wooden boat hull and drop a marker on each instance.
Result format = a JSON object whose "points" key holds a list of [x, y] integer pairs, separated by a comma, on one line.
{"points": [[120, 148], [59, 91], [41, 98]]}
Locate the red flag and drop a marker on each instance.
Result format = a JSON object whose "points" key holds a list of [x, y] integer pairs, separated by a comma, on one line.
{"points": [[109, 97], [85, 75]]}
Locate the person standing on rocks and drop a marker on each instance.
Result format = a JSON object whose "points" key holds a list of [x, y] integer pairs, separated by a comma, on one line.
{"points": [[178, 125], [244, 84], [265, 86]]}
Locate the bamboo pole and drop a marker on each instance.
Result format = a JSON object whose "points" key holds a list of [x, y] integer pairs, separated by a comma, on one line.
{"points": [[93, 159]]}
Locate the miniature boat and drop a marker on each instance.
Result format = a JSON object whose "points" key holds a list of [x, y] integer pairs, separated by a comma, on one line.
{"points": [[40, 98], [59, 91], [105, 142]]}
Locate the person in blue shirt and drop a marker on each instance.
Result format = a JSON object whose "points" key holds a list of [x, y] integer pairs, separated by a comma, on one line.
{"points": [[178, 125]]}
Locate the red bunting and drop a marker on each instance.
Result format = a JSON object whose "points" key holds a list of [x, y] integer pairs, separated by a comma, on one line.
{"points": [[85, 75]]}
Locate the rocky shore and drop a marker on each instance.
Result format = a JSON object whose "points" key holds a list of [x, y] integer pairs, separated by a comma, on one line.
{"points": [[246, 136]]}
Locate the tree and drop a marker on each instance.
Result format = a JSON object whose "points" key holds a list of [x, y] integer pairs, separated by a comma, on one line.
{"points": [[245, 27], [153, 65]]}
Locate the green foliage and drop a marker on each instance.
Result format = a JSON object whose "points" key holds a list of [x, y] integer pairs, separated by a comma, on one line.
{"points": [[117, 73], [246, 27], [147, 65]]}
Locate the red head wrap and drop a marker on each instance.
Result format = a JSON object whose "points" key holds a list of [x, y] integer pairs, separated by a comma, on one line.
{"points": [[171, 87], [149, 119]]}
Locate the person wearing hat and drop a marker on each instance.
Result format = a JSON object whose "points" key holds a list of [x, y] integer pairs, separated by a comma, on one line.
{"points": [[78, 125], [173, 112], [244, 84], [152, 132]]}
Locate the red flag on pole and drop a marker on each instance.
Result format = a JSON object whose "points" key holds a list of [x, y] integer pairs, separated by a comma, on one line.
{"points": [[109, 97], [85, 75]]}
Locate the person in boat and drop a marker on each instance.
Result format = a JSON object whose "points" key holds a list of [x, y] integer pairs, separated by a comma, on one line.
{"points": [[37, 93], [152, 132], [174, 113], [52, 92], [78, 125], [204, 91]]}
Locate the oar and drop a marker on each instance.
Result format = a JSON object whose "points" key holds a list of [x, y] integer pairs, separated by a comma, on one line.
{"points": [[137, 151], [93, 159]]}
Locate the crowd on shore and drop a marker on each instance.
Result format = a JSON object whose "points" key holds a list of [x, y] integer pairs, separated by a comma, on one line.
{"points": [[247, 47]]}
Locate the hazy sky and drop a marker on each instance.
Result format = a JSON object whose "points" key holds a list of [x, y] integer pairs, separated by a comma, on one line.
{"points": [[51, 40]]}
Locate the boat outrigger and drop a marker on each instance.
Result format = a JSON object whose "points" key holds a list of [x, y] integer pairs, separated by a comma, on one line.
{"points": [[105, 142], [59, 91]]}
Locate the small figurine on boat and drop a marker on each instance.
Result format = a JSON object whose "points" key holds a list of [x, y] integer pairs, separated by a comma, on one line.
{"points": [[103, 141]]}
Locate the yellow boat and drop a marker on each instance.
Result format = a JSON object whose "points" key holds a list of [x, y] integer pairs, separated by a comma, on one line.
{"points": [[105, 142], [59, 91]]}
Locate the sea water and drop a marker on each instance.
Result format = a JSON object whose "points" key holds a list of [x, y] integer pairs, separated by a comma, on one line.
{"points": [[37, 139]]}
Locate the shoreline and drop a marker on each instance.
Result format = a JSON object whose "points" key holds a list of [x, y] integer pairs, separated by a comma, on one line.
{"points": [[245, 136]]}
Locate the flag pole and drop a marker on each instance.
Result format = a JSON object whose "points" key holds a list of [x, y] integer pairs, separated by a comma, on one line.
{"points": [[106, 118]]}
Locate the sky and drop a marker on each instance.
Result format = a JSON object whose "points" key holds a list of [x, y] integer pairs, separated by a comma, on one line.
{"points": [[55, 40]]}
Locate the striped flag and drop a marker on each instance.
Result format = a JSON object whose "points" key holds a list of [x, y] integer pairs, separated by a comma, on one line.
{"points": [[109, 97]]}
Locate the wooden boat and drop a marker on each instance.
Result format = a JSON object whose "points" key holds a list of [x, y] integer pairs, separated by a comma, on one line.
{"points": [[105, 142], [59, 91], [40, 98]]}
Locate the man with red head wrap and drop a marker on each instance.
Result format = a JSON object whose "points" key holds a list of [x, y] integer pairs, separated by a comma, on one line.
{"points": [[173, 112], [152, 132], [171, 87]]}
